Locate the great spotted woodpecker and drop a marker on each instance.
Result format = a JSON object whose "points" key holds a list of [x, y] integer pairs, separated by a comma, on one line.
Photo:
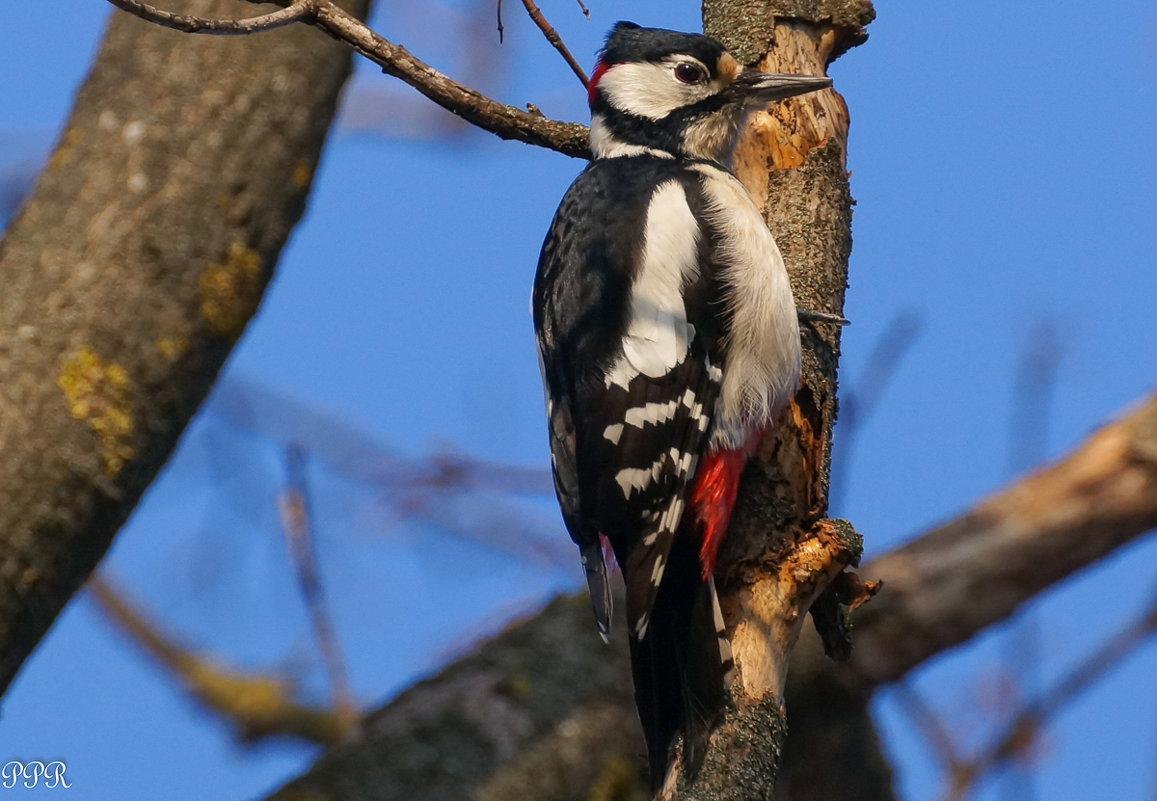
{"points": [[668, 342]]}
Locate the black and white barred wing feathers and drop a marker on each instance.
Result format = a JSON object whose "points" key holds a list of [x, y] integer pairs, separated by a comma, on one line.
{"points": [[632, 384], [645, 491]]}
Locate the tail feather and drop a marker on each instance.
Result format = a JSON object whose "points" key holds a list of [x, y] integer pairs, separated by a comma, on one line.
{"points": [[678, 665], [595, 566], [708, 666]]}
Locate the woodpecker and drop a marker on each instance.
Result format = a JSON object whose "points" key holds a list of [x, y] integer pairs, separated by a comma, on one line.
{"points": [[668, 342]]}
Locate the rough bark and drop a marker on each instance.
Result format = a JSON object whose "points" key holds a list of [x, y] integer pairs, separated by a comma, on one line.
{"points": [[129, 274], [440, 739], [780, 554], [542, 711]]}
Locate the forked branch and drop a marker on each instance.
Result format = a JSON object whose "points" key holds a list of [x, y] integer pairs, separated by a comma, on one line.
{"points": [[1024, 729], [556, 41], [507, 122]]}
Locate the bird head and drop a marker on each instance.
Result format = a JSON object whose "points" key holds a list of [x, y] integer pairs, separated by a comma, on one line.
{"points": [[677, 94]]}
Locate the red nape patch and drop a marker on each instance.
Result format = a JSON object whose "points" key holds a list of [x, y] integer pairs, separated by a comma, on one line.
{"points": [[600, 68], [713, 497]]}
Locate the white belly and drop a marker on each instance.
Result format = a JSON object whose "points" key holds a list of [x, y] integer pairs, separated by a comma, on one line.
{"points": [[762, 364]]}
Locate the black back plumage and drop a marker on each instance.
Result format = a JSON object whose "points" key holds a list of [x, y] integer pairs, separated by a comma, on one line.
{"points": [[581, 306]]}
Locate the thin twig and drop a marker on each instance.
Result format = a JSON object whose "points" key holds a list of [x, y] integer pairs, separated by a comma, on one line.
{"points": [[1036, 379], [586, 11], [507, 122], [293, 509], [501, 29], [1026, 726], [296, 11], [935, 733], [552, 36]]}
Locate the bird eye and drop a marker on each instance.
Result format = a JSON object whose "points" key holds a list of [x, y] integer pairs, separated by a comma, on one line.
{"points": [[687, 72]]}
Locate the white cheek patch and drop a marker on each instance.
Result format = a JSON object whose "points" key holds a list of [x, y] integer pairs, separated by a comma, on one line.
{"points": [[648, 90]]}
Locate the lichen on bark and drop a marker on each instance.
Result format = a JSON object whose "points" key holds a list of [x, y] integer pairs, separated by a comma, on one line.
{"points": [[129, 272]]}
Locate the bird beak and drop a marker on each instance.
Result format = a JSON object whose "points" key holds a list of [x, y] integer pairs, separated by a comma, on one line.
{"points": [[763, 87]]}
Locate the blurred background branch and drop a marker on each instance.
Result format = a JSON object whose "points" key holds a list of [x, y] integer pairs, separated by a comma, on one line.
{"points": [[256, 705], [1119, 509], [425, 548]]}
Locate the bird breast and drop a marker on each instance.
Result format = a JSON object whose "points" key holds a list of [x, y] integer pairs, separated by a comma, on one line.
{"points": [[762, 346]]}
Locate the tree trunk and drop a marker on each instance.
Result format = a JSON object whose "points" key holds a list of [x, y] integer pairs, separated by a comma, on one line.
{"points": [[780, 554], [129, 274]]}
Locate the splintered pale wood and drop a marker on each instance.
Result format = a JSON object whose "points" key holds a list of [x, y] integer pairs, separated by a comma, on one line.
{"points": [[953, 581]]}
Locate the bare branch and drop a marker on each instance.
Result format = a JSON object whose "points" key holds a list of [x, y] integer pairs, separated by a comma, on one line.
{"points": [[390, 730], [295, 12], [1040, 356], [460, 494], [1024, 729], [936, 735], [552, 36], [94, 400], [293, 507], [507, 122], [257, 705], [504, 712], [1016, 543]]}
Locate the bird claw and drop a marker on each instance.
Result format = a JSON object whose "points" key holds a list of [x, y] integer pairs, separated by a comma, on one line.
{"points": [[809, 316]]}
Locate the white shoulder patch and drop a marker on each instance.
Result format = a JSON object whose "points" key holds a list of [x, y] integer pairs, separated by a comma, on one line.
{"points": [[658, 332]]}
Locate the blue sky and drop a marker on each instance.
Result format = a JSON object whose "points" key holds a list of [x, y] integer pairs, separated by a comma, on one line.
{"points": [[1001, 162]]}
